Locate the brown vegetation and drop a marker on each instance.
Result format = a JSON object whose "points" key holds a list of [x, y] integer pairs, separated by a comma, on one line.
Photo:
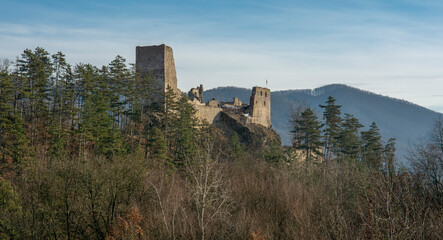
{"points": [[216, 199]]}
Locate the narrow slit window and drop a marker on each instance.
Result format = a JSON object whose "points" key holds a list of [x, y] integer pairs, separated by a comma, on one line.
{"points": [[264, 103]]}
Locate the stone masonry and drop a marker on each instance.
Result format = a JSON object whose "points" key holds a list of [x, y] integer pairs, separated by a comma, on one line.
{"points": [[260, 106], [158, 62]]}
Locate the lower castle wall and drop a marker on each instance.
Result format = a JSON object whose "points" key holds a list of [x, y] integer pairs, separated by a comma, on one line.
{"points": [[208, 113]]}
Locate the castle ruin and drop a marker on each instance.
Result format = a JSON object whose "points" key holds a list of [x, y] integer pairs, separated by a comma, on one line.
{"points": [[158, 61]]}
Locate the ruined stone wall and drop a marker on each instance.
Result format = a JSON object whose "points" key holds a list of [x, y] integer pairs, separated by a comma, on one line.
{"points": [[158, 62], [208, 113], [260, 106], [196, 93]]}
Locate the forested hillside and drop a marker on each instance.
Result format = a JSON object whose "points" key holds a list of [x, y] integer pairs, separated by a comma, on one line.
{"points": [[396, 118], [85, 153]]}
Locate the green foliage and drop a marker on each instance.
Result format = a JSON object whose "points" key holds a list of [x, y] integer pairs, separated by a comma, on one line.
{"points": [[389, 156], [185, 128], [99, 127], [10, 209], [307, 132], [157, 147], [34, 70], [78, 199], [85, 183], [274, 154], [348, 140], [332, 126], [372, 147], [13, 142], [119, 86], [90, 180], [237, 151], [169, 115], [62, 110]]}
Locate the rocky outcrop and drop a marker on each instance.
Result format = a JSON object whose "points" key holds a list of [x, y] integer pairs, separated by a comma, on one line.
{"points": [[253, 135]]}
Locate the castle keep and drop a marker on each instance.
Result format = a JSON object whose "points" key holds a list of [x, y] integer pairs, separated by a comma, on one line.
{"points": [[158, 61]]}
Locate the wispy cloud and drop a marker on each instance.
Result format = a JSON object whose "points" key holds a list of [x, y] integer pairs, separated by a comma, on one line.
{"points": [[391, 50]]}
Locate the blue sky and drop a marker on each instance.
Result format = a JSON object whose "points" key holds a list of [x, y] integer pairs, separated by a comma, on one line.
{"points": [[389, 47]]}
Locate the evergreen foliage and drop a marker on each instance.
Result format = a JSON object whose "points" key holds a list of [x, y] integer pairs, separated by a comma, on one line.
{"points": [[157, 146], [348, 140], [13, 142], [237, 151], [307, 132], [184, 131], [274, 154], [332, 127], [103, 162], [372, 147]]}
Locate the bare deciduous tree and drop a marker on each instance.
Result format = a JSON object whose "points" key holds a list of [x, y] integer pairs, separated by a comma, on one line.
{"points": [[207, 184], [427, 161], [5, 64]]}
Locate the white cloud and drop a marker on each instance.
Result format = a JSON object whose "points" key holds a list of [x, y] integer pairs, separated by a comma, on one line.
{"points": [[373, 49]]}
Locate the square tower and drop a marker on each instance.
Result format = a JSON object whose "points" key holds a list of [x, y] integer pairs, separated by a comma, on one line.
{"points": [[158, 62], [260, 106]]}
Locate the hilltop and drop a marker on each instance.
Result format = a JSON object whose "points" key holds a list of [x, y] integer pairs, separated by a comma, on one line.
{"points": [[403, 120]]}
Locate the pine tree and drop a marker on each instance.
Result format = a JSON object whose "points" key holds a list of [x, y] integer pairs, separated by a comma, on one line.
{"points": [[35, 68], [307, 132], [184, 128], [13, 142], [237, 152], [332, 127], [274, 154], [6, 114], [99, 124], [157, 147], [10, 210], [139, 109], [59, 112], [118, 86], [85, 77], [372, 147], [70, 112], [169, 115], [348, 140], [98, 131], [389, 156]]}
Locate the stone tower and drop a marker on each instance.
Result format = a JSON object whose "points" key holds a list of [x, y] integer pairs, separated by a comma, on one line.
{"points": [[157, 61], [260, 106]]}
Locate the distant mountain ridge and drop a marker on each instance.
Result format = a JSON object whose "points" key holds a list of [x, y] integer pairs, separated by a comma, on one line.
{"points": [[400, 119]]}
